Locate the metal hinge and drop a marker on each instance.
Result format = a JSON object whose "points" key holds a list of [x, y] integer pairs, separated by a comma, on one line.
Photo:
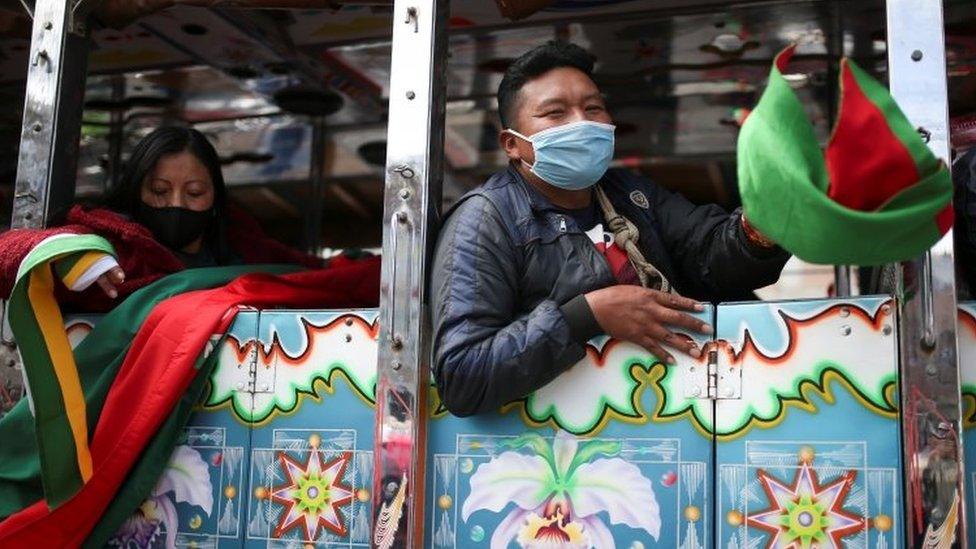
{"points": [[712, 374], [728, 377], [718, 380]]}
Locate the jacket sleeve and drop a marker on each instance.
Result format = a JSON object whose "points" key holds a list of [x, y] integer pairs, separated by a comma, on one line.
{"points": [[486, 351], [15, 244], [710, 251]]}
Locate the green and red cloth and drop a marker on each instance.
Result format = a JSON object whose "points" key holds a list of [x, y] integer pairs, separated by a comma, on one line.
{"points": [[140, 371], [876, 195]]}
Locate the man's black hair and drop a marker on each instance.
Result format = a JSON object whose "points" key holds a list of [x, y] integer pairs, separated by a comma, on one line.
{"points": [[534, 63]]}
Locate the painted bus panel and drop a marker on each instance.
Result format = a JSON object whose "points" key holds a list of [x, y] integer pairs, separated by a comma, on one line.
{"points": [[617, 451]]}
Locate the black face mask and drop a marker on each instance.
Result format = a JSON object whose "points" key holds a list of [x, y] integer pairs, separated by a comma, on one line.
{"points": [[175, 227]]}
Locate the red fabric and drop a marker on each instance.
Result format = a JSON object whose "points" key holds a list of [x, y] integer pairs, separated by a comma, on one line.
{"points": [[157, 370], [866, 162], [945, 219], [620, 265], [143, 259]]}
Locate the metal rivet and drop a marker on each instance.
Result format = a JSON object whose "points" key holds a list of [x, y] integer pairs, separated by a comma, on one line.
{"points": [[692, 369], [845, 312], [348, 338], [917, 55], [28, 216], [845, 330], [348, 322], [401, 217], [407, 173], [37, 127], [886, 330], [930, 370], [411, 95], [11, 363], [240, 386], [404, 193], [886, 309], [397, 365], [397, 342], [48, 25]]}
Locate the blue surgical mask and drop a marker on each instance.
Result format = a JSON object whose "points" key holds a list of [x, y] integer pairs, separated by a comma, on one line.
{"points": [[572, 156]]}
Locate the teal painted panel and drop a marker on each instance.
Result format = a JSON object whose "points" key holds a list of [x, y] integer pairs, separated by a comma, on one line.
{"points": [[810, 452], [610, 454], [312, 421]]}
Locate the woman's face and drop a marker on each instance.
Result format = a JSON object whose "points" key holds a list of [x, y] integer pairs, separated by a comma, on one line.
{"points": [[179, 180]]}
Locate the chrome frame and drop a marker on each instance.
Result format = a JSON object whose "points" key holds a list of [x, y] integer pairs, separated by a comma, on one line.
{"points": [[929, 368], [414, 174], [48, 153]]}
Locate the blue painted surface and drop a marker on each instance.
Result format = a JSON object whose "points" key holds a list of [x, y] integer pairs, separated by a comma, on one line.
{"points": [[312, 406], [838, 450], [669, 463], [337, 424]]}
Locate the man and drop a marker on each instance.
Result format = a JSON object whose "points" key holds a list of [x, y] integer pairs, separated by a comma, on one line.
{"points": [[526, 271]]}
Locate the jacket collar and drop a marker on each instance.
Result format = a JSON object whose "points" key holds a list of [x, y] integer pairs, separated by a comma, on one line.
{"points": [[536, 200]]}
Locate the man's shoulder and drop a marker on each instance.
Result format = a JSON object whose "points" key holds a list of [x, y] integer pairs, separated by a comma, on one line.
{"points": [[624, 186], [500, 196]]}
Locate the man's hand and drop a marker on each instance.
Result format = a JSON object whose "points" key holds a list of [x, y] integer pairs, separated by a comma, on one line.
{"points": [[641, 316], [107, 281]]}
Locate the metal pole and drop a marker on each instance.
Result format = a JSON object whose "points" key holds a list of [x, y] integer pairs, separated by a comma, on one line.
{"points": [[48, 154], [835, 48], [313, 210], [414, 171], [842, 280], [929, 372], [116, 136]]}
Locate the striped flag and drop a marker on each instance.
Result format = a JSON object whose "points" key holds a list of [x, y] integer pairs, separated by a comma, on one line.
{"points": [[50, 373]]}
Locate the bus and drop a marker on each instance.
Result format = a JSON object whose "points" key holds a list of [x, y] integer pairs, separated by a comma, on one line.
{"points": [[824, 414]]}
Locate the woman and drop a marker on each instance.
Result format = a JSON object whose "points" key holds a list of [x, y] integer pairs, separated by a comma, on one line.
{"points": [[169, 212]]}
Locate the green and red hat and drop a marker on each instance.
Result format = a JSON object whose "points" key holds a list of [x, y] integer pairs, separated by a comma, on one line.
{"points": [[876, 195]]}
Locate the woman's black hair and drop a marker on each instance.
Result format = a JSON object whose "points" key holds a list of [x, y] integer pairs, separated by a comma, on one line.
{"points": [[126, 196]]}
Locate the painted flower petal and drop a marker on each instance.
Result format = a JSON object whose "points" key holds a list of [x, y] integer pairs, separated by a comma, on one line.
{"points": [[509, 528], [564, 448], [620, 489], [188, 477], [169, 522], [510, 477], [597, 532]]}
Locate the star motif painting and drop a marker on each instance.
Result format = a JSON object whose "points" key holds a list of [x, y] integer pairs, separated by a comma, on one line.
{"points": [[807, 514], [312, 496]]}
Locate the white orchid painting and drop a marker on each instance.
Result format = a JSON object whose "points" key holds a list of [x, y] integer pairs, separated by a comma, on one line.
{"points": [[559, 494], [186, 479]]}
